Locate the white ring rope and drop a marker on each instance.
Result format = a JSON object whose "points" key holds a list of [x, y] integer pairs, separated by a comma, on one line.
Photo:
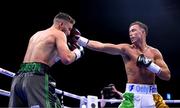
{"points": [[4, 93], [110, 100], [117, 101], [6, 72], [11, 74]]}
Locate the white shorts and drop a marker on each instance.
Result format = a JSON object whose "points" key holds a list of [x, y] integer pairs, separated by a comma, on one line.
{"points": [[142, 96]]}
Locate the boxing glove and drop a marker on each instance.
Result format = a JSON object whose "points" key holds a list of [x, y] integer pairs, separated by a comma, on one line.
{"points": [[143, 61], [75, 31], [79, 52], [77, 49], [75, 36]]}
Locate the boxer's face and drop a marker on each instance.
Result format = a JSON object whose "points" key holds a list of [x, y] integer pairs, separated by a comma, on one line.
{"points": [[66, 28], [135, 33]]}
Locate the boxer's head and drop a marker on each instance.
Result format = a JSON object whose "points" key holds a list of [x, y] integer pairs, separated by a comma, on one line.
{"points": [[137, 31], [64, 22], [141, 25]]}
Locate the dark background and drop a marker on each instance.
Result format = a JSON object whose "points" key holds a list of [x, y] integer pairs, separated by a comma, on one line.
{"points": [[102, 20]]}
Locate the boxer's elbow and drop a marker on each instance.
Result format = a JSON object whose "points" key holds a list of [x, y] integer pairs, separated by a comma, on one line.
{"points": [[68, 59], [168, 77], [66, 62], [165, 76]]}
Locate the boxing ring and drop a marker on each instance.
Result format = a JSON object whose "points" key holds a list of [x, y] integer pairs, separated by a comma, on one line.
{"points": [[88, 101]]}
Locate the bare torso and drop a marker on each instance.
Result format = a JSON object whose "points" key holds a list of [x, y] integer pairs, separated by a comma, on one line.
{"points": [[42, 47], [134, 73]]}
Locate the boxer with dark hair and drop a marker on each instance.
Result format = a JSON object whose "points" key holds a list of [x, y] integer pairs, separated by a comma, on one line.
{"points": [[142, 63]]}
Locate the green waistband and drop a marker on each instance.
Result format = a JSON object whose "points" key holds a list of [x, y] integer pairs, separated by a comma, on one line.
{"points": [[30, 67]]}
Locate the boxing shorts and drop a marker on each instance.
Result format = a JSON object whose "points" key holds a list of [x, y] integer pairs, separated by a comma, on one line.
{"points": [[33, 87], [142, 96]]}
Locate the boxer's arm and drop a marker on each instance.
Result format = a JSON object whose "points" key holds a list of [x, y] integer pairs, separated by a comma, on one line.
{"points": [[96, 45], [118, 92], [108, 48], [67, 56], [165, 72], [102, 102]]}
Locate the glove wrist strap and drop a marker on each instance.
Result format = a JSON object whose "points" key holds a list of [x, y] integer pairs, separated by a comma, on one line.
{"points": [[83, 41], [154, 68], [77, 52]]}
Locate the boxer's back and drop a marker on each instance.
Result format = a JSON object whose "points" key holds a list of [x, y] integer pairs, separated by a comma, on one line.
{"points": [[41, 47]]}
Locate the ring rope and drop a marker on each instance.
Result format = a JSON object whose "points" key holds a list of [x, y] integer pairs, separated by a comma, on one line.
{"points": [[4, 93]]}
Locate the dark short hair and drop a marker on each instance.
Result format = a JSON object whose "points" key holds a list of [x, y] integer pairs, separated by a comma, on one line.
{"points": [[64, 16], [110, 85], [142, 25]]}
